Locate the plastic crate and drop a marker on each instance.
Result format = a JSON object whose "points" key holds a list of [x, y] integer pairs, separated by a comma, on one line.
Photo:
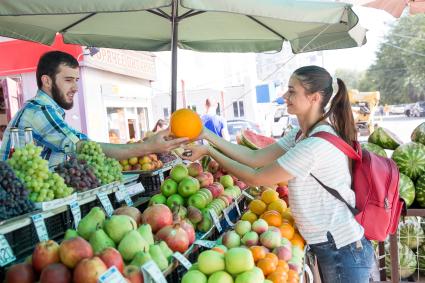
{"points": [[57, 225], [85, 208], [152, 182]]}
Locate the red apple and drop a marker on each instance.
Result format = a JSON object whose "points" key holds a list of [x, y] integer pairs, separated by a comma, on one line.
{"points": [[213, 166], [130, 211], [205, 179], [282, 190], [45, 253], [110, 257], [89, 270], [218, 175], [194, 169], [216, 189], [241, 185], [55, 273], [73, 250], [22, 273], [133, 274]]}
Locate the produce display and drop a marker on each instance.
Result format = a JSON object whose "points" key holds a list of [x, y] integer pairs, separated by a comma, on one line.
{"points": [[384, 138], [78, 175], [106, 169], [254, 141], [34, 172], [166, 157], [13, 195], [374, 148], [143, 163]]}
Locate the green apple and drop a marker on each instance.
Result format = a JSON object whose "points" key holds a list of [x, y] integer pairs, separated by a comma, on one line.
{"points": [[211, 261], [207, 192], [175, 199], [179, 172], [239, 260], [252, 276], [157, 199], [194, 276], [220, 277], [188, 186], [226, 181], [169, 187], [197, 200]]}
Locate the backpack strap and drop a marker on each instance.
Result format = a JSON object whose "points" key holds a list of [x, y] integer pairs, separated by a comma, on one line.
{"points": [[338, 143]]}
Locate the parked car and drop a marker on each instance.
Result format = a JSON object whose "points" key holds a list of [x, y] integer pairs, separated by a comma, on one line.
{"points": [[408, 109], [418, 110], [397, 109], [238, 125]]}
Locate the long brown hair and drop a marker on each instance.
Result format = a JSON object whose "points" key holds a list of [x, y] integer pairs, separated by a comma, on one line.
{"points": [[317, 79]]}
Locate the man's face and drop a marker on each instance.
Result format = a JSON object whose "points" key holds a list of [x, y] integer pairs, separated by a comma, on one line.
{"points": [[65, 86]]}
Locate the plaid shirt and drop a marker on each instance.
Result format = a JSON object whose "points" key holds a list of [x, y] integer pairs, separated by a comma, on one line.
{"points": [[50, 131]]}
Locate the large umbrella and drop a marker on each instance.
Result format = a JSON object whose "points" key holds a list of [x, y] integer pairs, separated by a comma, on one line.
{"points": [[393, 7], [201, 25]]}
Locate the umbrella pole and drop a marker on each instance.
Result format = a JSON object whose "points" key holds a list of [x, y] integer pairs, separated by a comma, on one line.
{"points": [[174, 23]]}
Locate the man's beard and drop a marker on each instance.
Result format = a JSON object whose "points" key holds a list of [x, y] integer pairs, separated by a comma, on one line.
{"points": [[60, 98]]}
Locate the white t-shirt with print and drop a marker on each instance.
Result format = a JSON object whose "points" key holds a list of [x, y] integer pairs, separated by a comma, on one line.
{"points": [[314, 209]]}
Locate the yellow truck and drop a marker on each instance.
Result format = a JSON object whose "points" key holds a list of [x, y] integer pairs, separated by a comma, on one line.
{"points": [[364, 105]]}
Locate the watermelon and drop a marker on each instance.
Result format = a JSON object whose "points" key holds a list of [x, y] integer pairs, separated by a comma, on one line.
{"points": [[411, 233], [374, 148], [384, 138], [421, 258], [420, 191], [418, 134], [410, 159], [407, 189], [407, 259], [256, 141]]}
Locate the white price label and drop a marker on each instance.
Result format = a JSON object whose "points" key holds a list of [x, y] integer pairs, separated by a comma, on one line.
{"points": [[112, 275], [247, 195], [183, 260], [151, 272], [237, 207], [135, 189], [40, 227], [205, 243], [6, 253], [76, 212], [161, 176], [125, 195], [216, 220], [106, 203], [226, 217]]}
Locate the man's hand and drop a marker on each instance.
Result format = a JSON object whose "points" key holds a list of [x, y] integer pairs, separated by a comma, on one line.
{"points": [[163, 142], [194, 152]]}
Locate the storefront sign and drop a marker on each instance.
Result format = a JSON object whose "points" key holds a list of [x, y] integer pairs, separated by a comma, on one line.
{"points": [[40, 227], [6, 253], [126, 62]]}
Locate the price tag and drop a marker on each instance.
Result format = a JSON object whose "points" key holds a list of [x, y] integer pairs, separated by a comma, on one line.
{"points": [[238, 210], [183, 260], [135, 189], [151, 272], [247, 195], [205, 243], [112, 275], [161, 176], [216, 221], [76, 212], [40, 227], [226, 217], [125, 195], [106, 203], [6, 253]]}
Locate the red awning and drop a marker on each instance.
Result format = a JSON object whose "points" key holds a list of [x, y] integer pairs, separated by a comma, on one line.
{"points": [[19, 56]]}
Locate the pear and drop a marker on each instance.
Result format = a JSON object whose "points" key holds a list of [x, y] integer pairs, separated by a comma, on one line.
{"points": [[140, 259], [118, 225], [145, 230], [131, 244], [70, 234], [158, 257], [100, 241], [91, 222], [166, 251]]}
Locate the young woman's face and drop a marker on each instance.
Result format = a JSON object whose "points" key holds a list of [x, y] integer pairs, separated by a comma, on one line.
{"points": [[297, 101]]}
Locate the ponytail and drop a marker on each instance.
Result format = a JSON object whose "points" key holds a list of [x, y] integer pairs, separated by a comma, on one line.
{"points": [[341, 116]]}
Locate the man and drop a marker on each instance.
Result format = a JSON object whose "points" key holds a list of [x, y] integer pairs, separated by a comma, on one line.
{"points": [[212, 121], [57, 80]]}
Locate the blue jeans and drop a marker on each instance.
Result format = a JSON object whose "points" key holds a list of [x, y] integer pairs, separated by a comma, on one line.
{"points": [[352, 263]]}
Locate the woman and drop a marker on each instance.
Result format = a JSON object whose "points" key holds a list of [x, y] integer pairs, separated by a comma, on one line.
{"points": [[328, 226]]}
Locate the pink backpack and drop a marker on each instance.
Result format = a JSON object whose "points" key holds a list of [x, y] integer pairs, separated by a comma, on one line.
{"points": [[375, 183]]}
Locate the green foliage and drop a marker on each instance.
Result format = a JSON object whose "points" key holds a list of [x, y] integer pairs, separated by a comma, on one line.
{"points": [[399, 70]]}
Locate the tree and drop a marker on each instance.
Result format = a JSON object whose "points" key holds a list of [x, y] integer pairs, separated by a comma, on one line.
{"points": [[350, 77]]}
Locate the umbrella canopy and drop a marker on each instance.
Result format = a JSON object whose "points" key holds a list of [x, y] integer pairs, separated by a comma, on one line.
{"points": [[393, 7], [201, 25]]}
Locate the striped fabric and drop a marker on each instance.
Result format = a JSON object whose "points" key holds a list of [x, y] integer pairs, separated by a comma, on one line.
{"points": [[314, 209], [50, 130]]}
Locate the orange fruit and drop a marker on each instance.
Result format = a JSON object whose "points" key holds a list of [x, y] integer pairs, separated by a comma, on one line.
{"points": [[266, 265], [185, 123], [269, 196], [297, 240], [286, 215], [249, 216], [278, 205], [272, 218], [283, 265], [293, 276], [257, 206], [287, 230], [258, 252], [278, 277], [273, 257]]}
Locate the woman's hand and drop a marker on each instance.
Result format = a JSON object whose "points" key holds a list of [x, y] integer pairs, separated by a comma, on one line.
{"points": [[163, 142], [194, 152]]}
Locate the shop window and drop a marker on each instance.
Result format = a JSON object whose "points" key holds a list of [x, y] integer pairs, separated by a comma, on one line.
{"points": [[166, 113], [238, 109], [116, 125], [142, 112]]}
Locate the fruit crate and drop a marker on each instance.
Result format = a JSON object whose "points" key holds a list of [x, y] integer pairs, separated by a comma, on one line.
{"points": [[152, 181]]}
